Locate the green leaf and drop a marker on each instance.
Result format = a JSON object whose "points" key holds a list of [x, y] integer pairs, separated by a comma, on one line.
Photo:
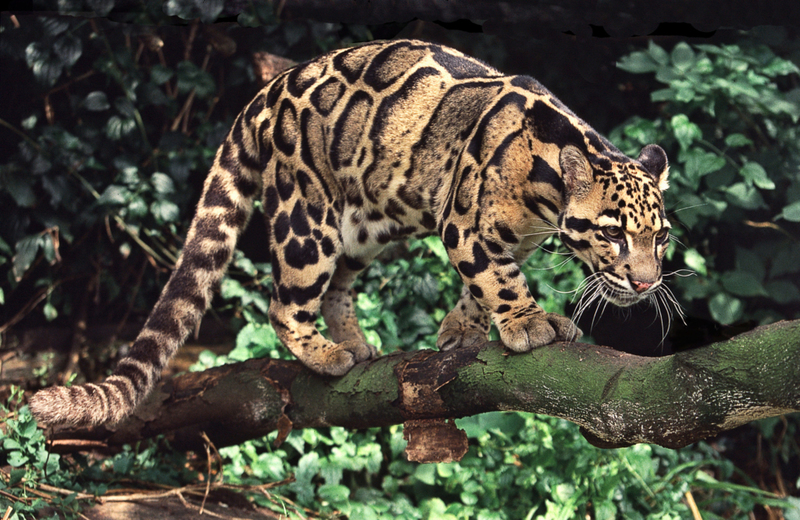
{"points": [[643, 131], [780, 67], [50, 312], [162, 183], [783, 291], [699, 163], [426, 473], [682, 56], [791, 212], [638, 62], [96, 101], [737, 140], [684, 130], [17, 459], [159, 74], [695, 261], [742, 283], [27, 249], [792, 510], [744, 196], [334, 493], [206, 10], [115, 128], [20, 186], [165, 210], [658, 54], [664, 94], [190, 77], [725, 308], [68, 48], [114, 195], [755, 173]]}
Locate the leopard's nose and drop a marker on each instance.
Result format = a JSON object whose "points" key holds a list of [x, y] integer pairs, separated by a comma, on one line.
{"points": [[640, 287]]}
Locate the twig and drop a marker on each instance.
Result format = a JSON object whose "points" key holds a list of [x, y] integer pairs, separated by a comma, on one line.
{"points": [[20, 133], [70, 82], [692, 505], [28, 307], [187, 53]]}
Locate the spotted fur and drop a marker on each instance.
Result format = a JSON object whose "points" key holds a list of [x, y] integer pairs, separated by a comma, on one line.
{"points": [[377, 143]]}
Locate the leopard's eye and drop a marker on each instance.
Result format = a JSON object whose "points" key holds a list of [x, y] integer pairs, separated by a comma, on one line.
{"points": [[613, 232], [662, 235]]}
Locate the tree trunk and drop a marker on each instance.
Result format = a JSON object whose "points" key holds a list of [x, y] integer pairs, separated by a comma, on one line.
{"points": [[618, 399]]}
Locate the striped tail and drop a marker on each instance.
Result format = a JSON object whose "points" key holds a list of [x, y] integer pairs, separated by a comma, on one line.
{"points": [[222, 213]]}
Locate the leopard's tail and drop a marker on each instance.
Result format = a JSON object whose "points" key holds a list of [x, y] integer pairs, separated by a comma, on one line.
{"points": [[222, 213]]}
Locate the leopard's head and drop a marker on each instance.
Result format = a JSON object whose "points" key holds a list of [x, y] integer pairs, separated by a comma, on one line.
{"points": [[613, 219]]}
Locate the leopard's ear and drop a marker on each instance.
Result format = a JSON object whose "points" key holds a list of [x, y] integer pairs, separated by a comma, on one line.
{"points": [[576, 171], [654, 160]]}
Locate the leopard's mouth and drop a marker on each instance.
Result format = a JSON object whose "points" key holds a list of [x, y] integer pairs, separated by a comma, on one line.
{"points": [[623, 296]]}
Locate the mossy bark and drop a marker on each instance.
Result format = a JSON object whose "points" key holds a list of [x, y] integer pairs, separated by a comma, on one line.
{"points": [[618, 399]]}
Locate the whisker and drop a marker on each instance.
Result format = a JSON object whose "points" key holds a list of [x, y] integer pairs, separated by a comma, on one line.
{"points": [[560, 264], [687, 207], [673, 238], [682, 273]]}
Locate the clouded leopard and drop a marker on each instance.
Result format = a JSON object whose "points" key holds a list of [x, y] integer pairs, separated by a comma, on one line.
{"points": [[384, 141]]}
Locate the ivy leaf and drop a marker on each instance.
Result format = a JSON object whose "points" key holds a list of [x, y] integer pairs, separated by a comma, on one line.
{"points": [[699, 163], [737, 140], [159, 74], [780, 67], [96, 101], [742, 283], [725, 308], [685, 131], [755, 173], [658, 54], [783, 291], [791, 212], [27, 249], [744, 196], [50, 312], [682, 56], [206, 10], [68, 48], [334, 493], [16, 459], [638, 62], [695, 261], [162, 183], [165, 210], [114, 195], [191, 77]]}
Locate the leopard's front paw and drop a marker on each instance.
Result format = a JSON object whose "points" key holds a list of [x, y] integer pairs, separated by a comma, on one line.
{"points": [[457, 337], [540, 329], [339, 358]]}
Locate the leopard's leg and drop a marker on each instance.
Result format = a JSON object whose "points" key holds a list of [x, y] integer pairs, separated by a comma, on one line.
{"points": [[302, 275], [337, 304], [466, 325], [489, 268]]}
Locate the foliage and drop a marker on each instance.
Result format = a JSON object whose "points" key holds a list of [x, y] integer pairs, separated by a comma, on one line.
{"points": [[518, 466], [728, 119], [39, 482], [111, 154]]}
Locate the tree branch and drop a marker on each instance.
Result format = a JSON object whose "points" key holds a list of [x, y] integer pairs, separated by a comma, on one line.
{"points": [[618, 399]]}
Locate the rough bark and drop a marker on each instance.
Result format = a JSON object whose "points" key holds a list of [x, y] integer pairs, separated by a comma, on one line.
{"points": [[618, 399]]}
